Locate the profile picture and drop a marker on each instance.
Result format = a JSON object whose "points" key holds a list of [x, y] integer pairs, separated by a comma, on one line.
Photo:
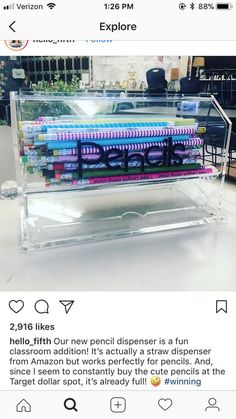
{"points": [[16, 45]]}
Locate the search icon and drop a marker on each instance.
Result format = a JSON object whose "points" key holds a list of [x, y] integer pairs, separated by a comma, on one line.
{"points": [[70, 404]]}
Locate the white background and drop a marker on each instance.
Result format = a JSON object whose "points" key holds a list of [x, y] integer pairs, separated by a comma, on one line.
{"points": [[136, 313], [138, 48], [154, 20], [184, 315]]}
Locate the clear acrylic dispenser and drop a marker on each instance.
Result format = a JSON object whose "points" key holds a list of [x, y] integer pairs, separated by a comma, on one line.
{"points": [[98, 167]]}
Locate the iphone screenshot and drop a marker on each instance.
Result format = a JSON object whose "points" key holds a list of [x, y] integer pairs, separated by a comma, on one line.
{"points": [[117, 209]]}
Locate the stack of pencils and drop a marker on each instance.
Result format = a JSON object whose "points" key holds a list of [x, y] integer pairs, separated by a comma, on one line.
{"points": [[71, 150]]}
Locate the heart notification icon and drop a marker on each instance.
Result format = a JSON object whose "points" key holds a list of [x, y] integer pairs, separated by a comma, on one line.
{"points": [[165, 404], [16, 305]]}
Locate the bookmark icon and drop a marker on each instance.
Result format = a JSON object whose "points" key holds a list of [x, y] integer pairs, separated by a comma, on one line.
{"points": [[67, 304]]}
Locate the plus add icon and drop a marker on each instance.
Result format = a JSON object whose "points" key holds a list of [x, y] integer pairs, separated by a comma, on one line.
{"points": [[118, 405]]}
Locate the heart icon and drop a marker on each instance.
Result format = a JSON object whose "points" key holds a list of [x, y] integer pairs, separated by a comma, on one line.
{"points": [[16, 306], [165, 404]]}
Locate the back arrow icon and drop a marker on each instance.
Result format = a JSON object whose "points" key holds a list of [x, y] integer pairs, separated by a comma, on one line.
{"points": [[10, 26]]}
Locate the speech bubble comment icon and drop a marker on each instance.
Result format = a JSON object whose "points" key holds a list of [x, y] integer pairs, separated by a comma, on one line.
{"points": [[42, 307]]}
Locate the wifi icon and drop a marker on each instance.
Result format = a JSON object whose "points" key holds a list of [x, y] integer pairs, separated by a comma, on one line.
{"points": [[51, 5]]}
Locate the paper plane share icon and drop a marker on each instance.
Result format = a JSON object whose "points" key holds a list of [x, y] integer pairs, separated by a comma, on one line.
{"points": [[67, 304]]}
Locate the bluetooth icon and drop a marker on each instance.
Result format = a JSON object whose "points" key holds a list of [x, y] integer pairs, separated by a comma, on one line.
{"points": [[192, 6]]}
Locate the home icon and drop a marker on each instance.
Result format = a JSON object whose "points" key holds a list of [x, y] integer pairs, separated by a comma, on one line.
{"points": [[23, 407]]}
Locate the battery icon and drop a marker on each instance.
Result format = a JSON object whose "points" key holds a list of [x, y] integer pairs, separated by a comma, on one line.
{"points": [[224, 6]]}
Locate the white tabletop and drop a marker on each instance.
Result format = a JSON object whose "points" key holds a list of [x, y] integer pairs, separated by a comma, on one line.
{"points": [[192, 259]]}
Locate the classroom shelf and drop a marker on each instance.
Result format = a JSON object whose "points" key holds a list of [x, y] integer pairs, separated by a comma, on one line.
{"points": [[44, 68]]}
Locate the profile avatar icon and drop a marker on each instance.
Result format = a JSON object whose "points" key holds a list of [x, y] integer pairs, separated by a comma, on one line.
{"points": [[212, 404], [16, 45]]}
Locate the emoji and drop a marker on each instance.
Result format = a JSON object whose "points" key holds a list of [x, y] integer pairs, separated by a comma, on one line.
{"points": [[155, 380]]}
